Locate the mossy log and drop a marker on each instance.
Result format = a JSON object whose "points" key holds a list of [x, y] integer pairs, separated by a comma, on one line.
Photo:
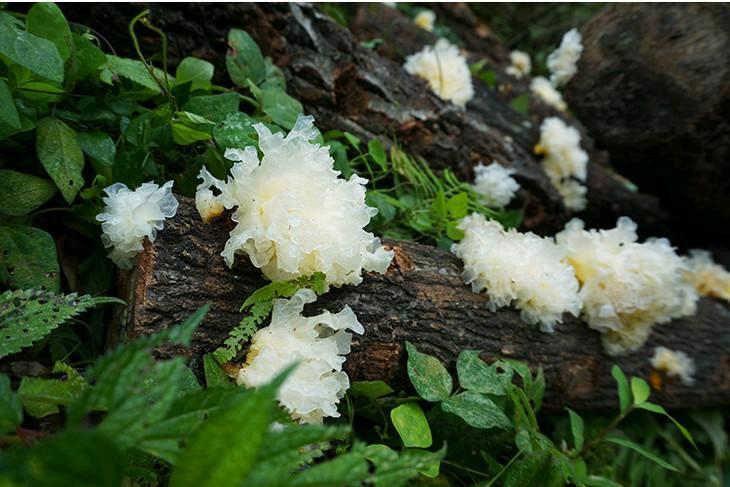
{"points": [[422, 299]]}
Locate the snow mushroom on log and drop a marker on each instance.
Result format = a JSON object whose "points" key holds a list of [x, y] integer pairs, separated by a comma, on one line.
{"points": [[423, 299], [653, 88]]}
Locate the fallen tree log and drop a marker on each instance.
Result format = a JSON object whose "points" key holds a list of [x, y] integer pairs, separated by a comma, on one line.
{"points": [[421, 299], [349, 87]]}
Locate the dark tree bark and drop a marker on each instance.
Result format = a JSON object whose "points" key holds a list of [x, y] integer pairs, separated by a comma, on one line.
{"points": [[423, 299], [348, 87], [653, 87]]}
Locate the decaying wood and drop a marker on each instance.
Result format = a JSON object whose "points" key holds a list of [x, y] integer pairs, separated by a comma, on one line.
{"points": [[421, 299], [349, 87]]}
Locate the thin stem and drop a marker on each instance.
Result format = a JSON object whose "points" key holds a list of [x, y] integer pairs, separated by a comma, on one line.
{"points": [[605, 431], [504, 469], [165, 87], [465, 469]]}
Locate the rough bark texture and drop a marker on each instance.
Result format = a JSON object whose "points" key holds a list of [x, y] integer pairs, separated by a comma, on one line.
{"points": [[653, 87], [422, 299], [348, 87]]}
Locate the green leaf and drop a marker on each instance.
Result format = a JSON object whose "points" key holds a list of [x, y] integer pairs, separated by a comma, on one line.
{"points": [[184, 135], [22, 193], [196, 71], [352, 139], [640, 390], [47, 21], [28, 258], [8, 111], [477, 410], [641, 451], [282, 108], [224, 449], [477, 376], [429, 377], [624, 392], [87, 59], [576, 427], [11, 409], [393, 469], [274, 76], [371, 389], [214, 374], [99, 146], [520, 103], [243, 59], [657, 409], [41, 397], [29, 315], [136, 72], [537, 468], [40, 91], [412, 425], [712, 422], [213, 107], [38, 55], [377, 152], [61, 155], [236, 131], [458, 206]]}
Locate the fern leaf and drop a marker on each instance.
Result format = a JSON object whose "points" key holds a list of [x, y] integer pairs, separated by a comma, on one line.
{"points": [[27, 315]]}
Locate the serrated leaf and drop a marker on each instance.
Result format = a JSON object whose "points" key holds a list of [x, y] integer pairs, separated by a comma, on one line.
{"points": [[624, 391], [477, 376], [196, 71], [576, 428], [394, 469], [29, 315], [428, 375], [28, 258], [641, 451], [41, 397], [22, 193], [244, 60], [46, 20], [61, 155], [38, 55], [639, 390], [411, 425], [477, 410], [8, 111]]}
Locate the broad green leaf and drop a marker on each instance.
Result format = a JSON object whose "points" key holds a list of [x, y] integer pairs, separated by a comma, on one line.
{"points": [[224, 449], [196, 71], [42, 397], [458, 206], [136, 71], [657, 409], [576, 427], [8, 111], [11, 409], [412, 425], [477, 410], [213, 107], [61, 155], [22, 193], [82, 458], [352, 139], [639, 390], [377, 152], [537, 468], [428, 375], [274, 76], [371, 389], [184, 135], [41, 91], [214, 374], [46, 20], [99, 146], [624, 391], [28, 258], [38, 55], [384, 204], [29, 315], [477, 376], [244, 60], [236, 131], [520, 103], [87, 58], [641, 451], [282, 108]]}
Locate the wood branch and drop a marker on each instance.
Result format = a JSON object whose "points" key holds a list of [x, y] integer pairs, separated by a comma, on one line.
{"points": [[348, 87], [423, 299]]}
